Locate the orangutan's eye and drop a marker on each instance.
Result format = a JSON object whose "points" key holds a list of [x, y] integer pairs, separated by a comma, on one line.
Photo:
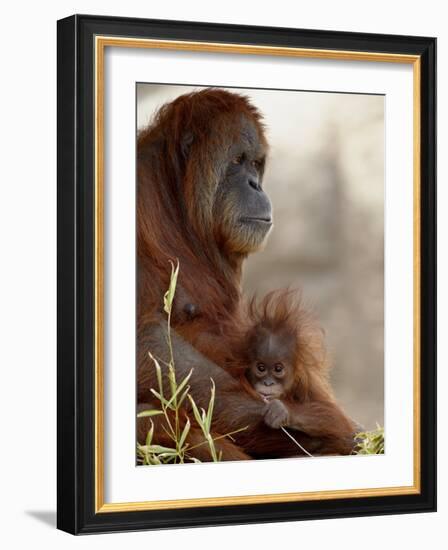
{"points": [[261, 367], [238, 160], [278, 367]]}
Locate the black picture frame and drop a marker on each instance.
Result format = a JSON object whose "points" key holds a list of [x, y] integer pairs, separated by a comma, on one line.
{"points": [[76, 286]]}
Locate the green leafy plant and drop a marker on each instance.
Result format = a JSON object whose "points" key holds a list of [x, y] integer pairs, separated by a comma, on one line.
{"points": [[172, 407], [371, 442]]}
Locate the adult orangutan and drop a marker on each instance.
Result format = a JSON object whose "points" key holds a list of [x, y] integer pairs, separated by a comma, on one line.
{"points": [[200, 200]]}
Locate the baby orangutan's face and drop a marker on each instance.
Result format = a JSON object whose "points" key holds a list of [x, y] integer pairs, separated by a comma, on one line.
{"points": [[271, 370]]}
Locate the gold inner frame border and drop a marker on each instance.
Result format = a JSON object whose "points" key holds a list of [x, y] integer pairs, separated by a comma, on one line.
{"points": [[100, 44]]}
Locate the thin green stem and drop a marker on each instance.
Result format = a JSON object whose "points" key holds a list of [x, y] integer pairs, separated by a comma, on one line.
{"points": [[217, 438]]}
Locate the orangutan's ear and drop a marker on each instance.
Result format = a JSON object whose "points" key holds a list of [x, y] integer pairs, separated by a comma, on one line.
{"points": [[185, 144]]}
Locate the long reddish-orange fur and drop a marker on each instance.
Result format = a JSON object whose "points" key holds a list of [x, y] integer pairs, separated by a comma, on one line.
{"points": [[175, 200]]}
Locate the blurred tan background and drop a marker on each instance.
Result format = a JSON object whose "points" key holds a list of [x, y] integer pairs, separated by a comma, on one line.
{"points": [[325, 177]]}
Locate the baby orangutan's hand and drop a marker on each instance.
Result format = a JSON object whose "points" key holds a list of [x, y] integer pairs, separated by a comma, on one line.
{"points": [[276, 414]]}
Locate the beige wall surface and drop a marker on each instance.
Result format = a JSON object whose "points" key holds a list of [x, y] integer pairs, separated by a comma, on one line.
{"points": [[325, 177]]}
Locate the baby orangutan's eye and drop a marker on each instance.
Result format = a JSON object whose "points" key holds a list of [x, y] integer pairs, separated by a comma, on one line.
{"points": [[261, 367], [278, 367]]}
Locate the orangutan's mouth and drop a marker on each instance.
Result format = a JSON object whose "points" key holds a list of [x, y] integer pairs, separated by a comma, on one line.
{"points": [[268, 396], [267, 221]]}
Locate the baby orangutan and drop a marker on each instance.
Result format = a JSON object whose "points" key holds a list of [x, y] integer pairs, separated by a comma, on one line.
{"points": [[285, 364], [271, 372]]}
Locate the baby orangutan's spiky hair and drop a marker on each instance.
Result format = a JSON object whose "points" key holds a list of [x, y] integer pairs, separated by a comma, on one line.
{"points": [[282, 311]]}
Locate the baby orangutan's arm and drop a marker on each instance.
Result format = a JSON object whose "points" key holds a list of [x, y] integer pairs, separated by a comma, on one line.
{"points": [[315, 418]]}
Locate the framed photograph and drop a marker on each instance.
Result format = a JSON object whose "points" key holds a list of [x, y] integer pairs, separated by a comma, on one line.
{"points": [[246, 274]]}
